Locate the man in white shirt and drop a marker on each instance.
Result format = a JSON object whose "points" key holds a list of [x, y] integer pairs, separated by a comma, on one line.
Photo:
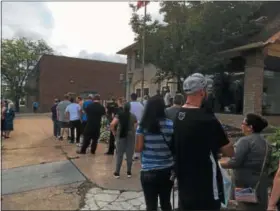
{"points": [[73, 112], [137, 109]]}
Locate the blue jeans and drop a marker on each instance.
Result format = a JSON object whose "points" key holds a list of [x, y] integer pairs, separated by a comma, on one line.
{"points": [[56, 128]]}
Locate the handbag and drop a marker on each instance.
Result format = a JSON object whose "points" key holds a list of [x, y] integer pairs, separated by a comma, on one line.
{"points": [[249, 195]]}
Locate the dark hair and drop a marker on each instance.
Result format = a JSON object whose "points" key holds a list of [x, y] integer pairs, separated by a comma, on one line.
{"points": [[72, 100], [154, 112], [79, 98], [133, 96], [124, 118], [96, 97], [178, 99], [257, 122]]}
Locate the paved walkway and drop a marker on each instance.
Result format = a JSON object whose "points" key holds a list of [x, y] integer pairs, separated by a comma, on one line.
{"points": [[36, 168], [41, 173], [98, 199]]}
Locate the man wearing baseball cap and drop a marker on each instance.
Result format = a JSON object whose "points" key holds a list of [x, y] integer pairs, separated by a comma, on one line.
{"points": [[198, 138]]}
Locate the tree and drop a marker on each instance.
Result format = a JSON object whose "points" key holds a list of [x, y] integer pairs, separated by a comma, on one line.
{"points": [[194, 32], [19, 58]]}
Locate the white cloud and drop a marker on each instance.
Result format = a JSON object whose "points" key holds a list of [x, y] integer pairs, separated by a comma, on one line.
{"points": [[30, 19], [103, 57], [94, 30]]}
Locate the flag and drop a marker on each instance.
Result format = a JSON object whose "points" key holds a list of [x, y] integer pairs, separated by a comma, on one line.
{"points": [[142, 4]]}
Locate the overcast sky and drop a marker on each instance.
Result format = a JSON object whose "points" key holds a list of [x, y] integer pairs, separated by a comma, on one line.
{"points": [[94, 30]]}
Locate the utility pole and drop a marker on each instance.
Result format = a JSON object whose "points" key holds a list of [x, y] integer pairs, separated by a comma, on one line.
{"points": [[143, 52]]}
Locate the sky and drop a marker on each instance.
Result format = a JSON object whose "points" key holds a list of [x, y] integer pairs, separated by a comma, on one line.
{"points": [[92, 30]]}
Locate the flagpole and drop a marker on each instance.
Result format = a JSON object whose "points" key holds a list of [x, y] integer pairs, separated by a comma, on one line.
{"points": [[143, 50]]}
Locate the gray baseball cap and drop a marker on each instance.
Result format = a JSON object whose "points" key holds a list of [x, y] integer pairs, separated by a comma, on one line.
{"points": [[196, 82]]}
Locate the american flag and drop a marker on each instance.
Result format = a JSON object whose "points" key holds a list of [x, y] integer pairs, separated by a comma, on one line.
{"points": [[141, 4]]}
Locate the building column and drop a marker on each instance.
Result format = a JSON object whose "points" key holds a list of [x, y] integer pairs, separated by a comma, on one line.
{"points": [[127, 90], [253, 82]]}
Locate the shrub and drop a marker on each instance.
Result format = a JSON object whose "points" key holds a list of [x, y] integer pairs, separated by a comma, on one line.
{"points": [[274, 140], [104, 131]]}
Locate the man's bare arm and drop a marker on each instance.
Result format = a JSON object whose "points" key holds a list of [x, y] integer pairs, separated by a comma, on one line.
{"points": [[275, 194]]}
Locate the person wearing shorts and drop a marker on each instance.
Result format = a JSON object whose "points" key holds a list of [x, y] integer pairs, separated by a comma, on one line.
{"points": [[62, 118]]}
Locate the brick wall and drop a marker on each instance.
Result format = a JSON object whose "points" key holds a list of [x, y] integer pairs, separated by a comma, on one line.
{"points": [[253, 82], [60, 75]]}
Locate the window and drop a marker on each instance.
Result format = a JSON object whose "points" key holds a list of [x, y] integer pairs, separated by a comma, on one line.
{"points": [[146, 91], [271, 95], [138, 92]]}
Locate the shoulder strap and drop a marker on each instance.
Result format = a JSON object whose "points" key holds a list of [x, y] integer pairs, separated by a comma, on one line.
{"points": [[263, 165], [168, 145]]}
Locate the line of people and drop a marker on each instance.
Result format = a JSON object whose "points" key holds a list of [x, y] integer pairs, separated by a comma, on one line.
{"points": [[187, 141], [83, 118]]}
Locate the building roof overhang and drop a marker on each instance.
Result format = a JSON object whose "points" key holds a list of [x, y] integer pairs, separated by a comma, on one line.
{"points": [[256, 45], [127, 49]]}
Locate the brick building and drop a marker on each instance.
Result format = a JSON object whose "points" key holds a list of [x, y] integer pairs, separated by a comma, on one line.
{"points": [[58, 75]]}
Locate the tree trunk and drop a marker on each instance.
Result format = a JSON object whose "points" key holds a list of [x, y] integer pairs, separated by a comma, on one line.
{"points": [[16, 102], [179, 84]]}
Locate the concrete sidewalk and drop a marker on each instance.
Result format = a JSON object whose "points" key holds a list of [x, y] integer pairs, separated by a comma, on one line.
{"points": [[39, 171]]}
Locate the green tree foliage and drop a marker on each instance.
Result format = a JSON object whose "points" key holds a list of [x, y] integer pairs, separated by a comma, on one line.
{"points": [[274, 140], [19, 58], [193, 33]]}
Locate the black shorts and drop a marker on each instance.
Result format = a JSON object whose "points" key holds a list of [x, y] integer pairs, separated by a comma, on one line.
{"points": [[64, 124]]}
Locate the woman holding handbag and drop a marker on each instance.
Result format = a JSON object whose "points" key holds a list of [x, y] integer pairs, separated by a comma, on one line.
{"points": [[249, 165], [154, 135]]}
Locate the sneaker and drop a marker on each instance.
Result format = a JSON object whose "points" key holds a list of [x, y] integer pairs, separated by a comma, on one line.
{"points": [[129, 174], [116, 175]]}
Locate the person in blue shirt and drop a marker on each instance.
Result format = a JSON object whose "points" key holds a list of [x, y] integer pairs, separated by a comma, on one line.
{"points": [[154, 136], [87, 101], [35, 106]]}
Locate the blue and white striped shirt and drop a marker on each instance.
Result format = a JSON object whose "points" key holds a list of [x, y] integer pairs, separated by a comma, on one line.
{"points": [[156, 154]]}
